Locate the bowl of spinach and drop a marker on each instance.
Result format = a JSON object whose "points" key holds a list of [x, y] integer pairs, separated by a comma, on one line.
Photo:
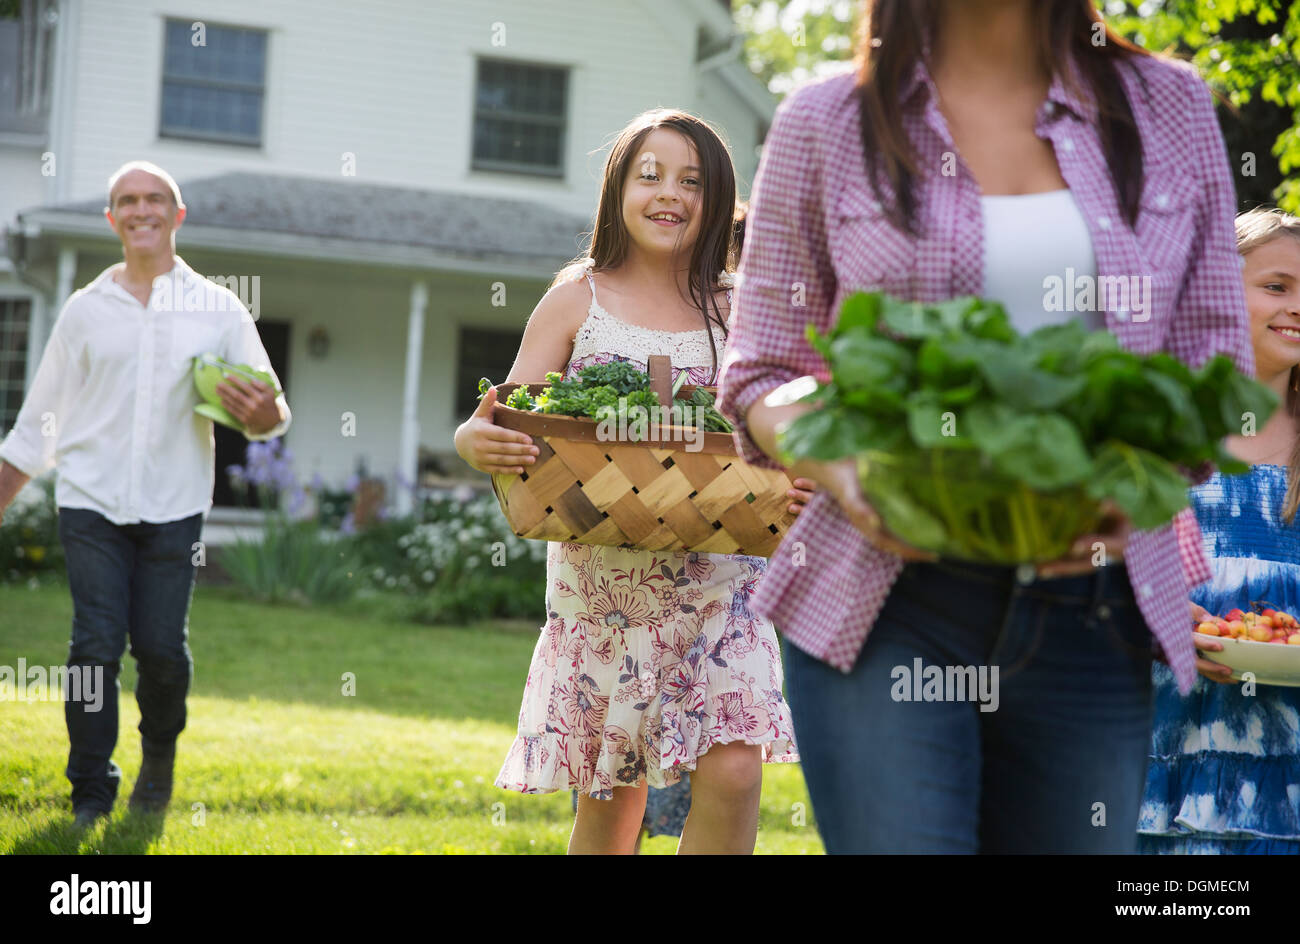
{"points": [[978, 442]]}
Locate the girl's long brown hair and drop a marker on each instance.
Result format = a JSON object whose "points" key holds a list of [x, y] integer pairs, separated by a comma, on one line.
{"points": [[891, 41], [1254, 229], [713, 252]]}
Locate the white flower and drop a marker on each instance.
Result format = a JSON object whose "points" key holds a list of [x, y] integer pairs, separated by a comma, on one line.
{"points": [[428, 576]]}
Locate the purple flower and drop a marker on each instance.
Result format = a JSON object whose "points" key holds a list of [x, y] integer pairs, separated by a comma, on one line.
{"points": [[269, 467], [297, 502], [349, 525]]}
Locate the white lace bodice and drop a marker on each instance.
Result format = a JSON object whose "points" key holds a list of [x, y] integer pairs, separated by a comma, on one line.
{"points": [[602, 337]]}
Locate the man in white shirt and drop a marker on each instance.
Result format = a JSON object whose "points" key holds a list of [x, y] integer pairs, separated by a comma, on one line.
{"points": [[111, 407]]}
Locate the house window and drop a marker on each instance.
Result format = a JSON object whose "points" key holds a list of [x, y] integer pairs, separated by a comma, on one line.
{"points": [[519, 117], [213, 91], [488, 354], [15, 322], [26, 52]]}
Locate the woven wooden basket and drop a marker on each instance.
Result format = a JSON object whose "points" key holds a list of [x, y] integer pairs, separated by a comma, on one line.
{"points": [[654, 494]]}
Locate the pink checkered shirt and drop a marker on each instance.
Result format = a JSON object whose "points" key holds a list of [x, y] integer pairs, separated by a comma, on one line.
{"points": [[816, 234]]}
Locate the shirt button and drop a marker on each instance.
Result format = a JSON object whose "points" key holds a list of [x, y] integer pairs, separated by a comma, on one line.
{"points": [[1103, 612], [1146, 591], [1104, 222], [1121, 315], [1067, 144], [1162, 201], [1025, 574]]}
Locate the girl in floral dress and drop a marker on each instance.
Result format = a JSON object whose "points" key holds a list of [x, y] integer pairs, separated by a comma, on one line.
{"points": [[650, 664]]}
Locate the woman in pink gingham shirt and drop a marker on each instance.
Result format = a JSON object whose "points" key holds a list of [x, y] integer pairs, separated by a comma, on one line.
{"points": [[1105, 159]]}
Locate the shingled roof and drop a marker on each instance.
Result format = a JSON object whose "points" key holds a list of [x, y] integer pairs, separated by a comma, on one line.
{"points": [[458, 225]]}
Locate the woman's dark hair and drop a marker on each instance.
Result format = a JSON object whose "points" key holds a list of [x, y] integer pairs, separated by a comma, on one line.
{"points": [[712, 253], [891, 41]]}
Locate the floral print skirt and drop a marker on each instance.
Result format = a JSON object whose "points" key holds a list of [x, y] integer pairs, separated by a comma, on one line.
{"points": [[647, 660]]}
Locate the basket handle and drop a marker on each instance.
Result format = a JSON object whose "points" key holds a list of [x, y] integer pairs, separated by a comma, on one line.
{"points": [[661, 378]]}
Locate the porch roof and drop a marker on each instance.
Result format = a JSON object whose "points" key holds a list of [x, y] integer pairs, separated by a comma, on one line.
{"points": [[346, 220]]}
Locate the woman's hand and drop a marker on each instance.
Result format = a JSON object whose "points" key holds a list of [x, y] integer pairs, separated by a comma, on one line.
{"points": [[1214, 671], [1112, 533], [490, 448], [801, 492], [840, 478]]}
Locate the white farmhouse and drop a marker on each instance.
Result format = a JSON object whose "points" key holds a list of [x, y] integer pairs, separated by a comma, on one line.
{"points": [[391, 184]]}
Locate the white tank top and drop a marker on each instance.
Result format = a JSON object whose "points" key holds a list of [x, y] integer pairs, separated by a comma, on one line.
{"points": [[1038, 257]]}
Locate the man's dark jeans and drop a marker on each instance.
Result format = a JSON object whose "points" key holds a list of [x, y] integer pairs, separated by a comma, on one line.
{"points": [[128, 581]]}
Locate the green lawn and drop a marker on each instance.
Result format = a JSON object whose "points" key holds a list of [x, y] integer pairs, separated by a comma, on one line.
{"points": [[276, 759]]}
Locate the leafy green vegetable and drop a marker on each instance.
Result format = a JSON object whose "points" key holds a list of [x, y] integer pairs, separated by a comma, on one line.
{"points": [[978, 442], [620, 393], [619, 375], [703, 411], [519, 399]]}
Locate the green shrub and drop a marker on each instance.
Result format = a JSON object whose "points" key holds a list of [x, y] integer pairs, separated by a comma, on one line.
{"points": [[460, 563], [294, 562], [29, 537]]}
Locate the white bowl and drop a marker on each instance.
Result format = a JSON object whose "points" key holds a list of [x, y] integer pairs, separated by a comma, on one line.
{"points": [[1272, 663]]}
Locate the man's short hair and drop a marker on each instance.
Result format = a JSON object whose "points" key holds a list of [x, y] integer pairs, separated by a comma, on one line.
{"points": [[149, 168]]}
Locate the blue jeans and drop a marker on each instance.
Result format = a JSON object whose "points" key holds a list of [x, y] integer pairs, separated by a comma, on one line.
{"points": [[1058, 766], [127, 581]]}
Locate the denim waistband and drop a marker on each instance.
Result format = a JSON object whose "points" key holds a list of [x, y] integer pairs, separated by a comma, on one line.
{"points": [[1109, 584]]}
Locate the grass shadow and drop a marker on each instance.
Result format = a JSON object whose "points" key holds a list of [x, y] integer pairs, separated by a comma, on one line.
{"points": [[132, 834]]}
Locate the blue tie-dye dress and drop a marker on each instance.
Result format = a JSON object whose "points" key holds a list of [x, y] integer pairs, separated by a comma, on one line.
{"points": [[1224, 775]]}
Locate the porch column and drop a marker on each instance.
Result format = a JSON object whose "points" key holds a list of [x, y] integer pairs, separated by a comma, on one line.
{"points": [[409, 446], [46, 309]]}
